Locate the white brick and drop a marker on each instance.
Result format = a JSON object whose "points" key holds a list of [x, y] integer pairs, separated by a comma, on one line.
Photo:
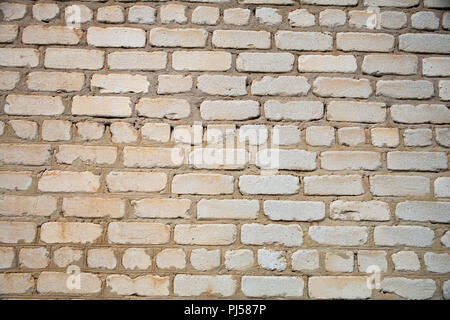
{"points": [[303, 41], [227, 209], [271, 260], [412, 289], [351, 136], [171, 259], [111, 14], [392, 3], [417, 161], [286, 159], [70, 232], [85, 207], [146, 285], [424, 43], [367, 259], [258, 234], [119, 83], [331, 2], [159, 132], [34, 258], [393, 19], [436, 4], [15, 57], [342, 87], [205, 234], [15, 205], [241, 39], [360, 41], [268, 16], [219, 158], [425, 211], [236, 16], [339, 261], [197, 285], [338, 287], [45, 11], [442, 187], [187, 38], [201, 60], [320, 136], [161, 208], [350, 160], [241, 259], [301, 18], [326, 63], [444, 90], [424, 20], [264, 62], [37, 34], [102, 106], [294, 210], [16, 283], [137, 60], [406, 261], [278, 184], [136, 258], [24, 129], [202, 183], [353, 111], [293, 110], [168, 84], [78, 13], [305, 260], [66, 256], [7, 257], [9, 80], [15, 180], [399, 186], [422, 113], [116, 37], [141, 14], [15, 232], [152, 157], [270, 286], [334, 185], [229, 109], [418, 137], [103, 258], [205, 15], [88, 130], [360, 210], [33, 105], [285, 135], [8, 33], [282, 85], [204, 260], [138, 233], [55, 81], [413, 236], [136, 181], [380, 64], [436, 66], [24, 154], [173, 13], [169, 108], [385, 137], [123, 132], [222, 85], [13, 11], [62, 58], [338, 235], [332, 17], [437, 262], [56, 130], [68, 181], [405, 89]]}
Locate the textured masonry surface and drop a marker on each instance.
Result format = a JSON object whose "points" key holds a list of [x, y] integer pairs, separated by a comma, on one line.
{"points": [[225, 149]]}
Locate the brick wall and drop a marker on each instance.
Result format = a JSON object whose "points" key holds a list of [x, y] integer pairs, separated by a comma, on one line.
{"points": [[225, 149]]}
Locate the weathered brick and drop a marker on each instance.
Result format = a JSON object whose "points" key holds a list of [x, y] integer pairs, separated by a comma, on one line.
{"points": [[197, 285], [9, 80], [303, 41], [151, 157], [338, 235], [123, 132], [286, 159], [138, 233], [14, 180], [412, 236], [136, 258], [277, 184], [413, 289], [241, 39], [136, 181], [50, 282], [350, 160], [89, 154], [301, 18], [8, 33], [353, 111], [142, 14], [13, 11], [201, 60], [62, 58], [116, 37], [24, 154], [66, 256], [101, 106], [169, 108], [338, 287], [45, 11], [380, 64], [205, 15], [293, 110], [342, 87], [119, 83], [270, 286], [38, 34], [423, 211], [85, 207], [282, 85], [442, 187], [373, 210], [70, 232], [111, 14], [15, 232], [19, 57], [326, 63], [320, 136], [56, 130], [264, 62], [239, 259], [55, 81], [305, 260], [16, 283], [137, 60], [7, 257], [227, 209], [102, 258], [222, 85], [205, 234], [88, 130], [229, 110], [34, 258], [417, 161], [258, 234], [424, 43], [405, 89], [399, 186], [171, 259], [162, 208], [422, 113], [186, 38], [33, 105], [24, 129], [334, 185], [146, 285], [204, 260], [406, 261], [436, 66], [68, 181], [202, 183], [294, 210], [15, 205], [359, 41], [339, 261]]}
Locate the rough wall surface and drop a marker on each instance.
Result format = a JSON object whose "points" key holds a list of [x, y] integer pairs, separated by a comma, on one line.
{"points": [[225, 149]]}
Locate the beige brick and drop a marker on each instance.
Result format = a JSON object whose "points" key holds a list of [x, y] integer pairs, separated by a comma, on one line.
{"points": [[56, 130], [241, 259], [339, 261], [229, 109], [8, 33], [286, 159], [84, 207], [173, 13], [202, 183], [201, 60], [205, 15], [359, 41], [272, 286], [423, 211], [7, 257], [33, 105], [436, 66], [70, 232], [136, 258], [146, 285], [119, 83], [222, 85], [350, 160], [385, 137], [45, 11], [186, 38], [411, 236], [16, 283], [171, 259], [303, 41], [301, 18], [227, 209], [268, 16], [258, 234], [159, 132], [102, 106], [111, 14], [394, 185], [162, 208], [151, 157], [422, 113], [342, 87], [137, 60], [320, 136], [264, 62], [10, 180], [362, 19], [15, 57], [204, 260], [68, 181], [241, 39], [332, 17], [197, 285], [293, 110], [116, 37], [424, 43], [273, 185], [24, 129], [326, 63], [141, 14], [369, 258], [103, 258], [353, 111], [97, 155], [338, 235], [42, 35], [123, 132], [393, 19], [417, 161], [13, 11], [62, 58], [136, 181], [168, 84], [334, 185], [24, 154], [9, 80], [66, 256], [406, 261], [78, 13], [405, 89], [294, 210], [380, 64], [55, 81], [15, 205], [413, 289], [205, 234], [282, 85], [305, 260], [351, 136], [88, 130], [16, 232], [33, 258], [56, 282], [236, 16], [138, 233], [338, 287], [373, 210], [169, 108]]}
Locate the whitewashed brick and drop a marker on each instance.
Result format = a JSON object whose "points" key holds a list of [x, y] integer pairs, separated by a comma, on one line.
{"points": [[116, 37], [417, 161], [7, 257], [15, 205], [24, 129], [8, 33], [87, 207], [271, 260], [161, 208], [33, 105], [197, 285], [37, 34], [264, 62], [367, 259], [320, 136], [442, 187], [123, 132], [70, 232], [13, 11], [33, 258], [278, 184], [205, 15], [187, 38], [338, 235], [285, 135], [202, 183], [68, 181], [88, 130], [173, 13], [342, 87], [45, 11], [103, 258], [301, 18], [293, 110], [241, 259], [205, 260], [417, 137], [137, 60], [10, 180], [229, 109], [16, 283], [436, 66], [201, 60], [326, 63], [55, 81], [413, 236], [405, 89], [227, 209], [422, 113], [423, 211], [222, 85], [282, 85], [424, 20], [424, 43], [303, 41], [258, 234], [136, 181], [271, 286], [399, 186], [138, 233], [332, 17], [412, 289], [350, 160], [136, 258], [146, 285], [338, 287], [169, 108], [351, 136], [50, 282], [236, 16], [305, 260], [354, 111], [334, 185], [268, 16], [141, 14], [339, 261], [15, 232], [24, 154], [359, 41], [406, 261], [380, 64], [171, 259], [9, 80], [294, 210], [241, 39], [360, 210], [63, 58], [385, 137], [393, 19], [119, 83], [66, 256], [56, 130], [19, 57], [437, 262], [205, 234]]}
